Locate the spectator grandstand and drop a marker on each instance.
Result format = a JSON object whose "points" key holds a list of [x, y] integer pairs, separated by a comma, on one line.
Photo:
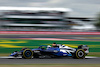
{"points": [[39, 19]]}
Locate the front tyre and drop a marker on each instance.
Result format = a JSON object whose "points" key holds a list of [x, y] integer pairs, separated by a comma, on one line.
{"points": [[27, 54], [79, 54]]}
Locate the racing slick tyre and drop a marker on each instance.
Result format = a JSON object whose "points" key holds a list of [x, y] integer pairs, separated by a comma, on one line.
{"points": [[79, 54], [27, 54]]}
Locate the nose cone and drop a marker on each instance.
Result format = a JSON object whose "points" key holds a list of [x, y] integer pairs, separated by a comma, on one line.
{"points": [[12, 54]]}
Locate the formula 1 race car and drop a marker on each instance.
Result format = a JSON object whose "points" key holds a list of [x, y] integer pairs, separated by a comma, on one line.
{"points": [[44, 51]]}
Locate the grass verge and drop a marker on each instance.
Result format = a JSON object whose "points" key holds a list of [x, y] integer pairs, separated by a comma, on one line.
{"points": [[97, 54]]}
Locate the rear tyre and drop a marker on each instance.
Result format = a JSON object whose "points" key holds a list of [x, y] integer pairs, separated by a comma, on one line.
{"points": [[27, 54], [79, 54]]}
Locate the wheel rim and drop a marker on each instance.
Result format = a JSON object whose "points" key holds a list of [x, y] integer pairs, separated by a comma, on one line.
{"points": [[28, 53], [80, 54]]}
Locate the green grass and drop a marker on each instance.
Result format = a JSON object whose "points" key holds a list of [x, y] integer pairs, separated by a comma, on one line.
{"points": [[21, 43]]}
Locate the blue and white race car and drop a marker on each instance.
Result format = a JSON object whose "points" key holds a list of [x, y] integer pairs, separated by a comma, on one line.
{"points": [[44, 51]]}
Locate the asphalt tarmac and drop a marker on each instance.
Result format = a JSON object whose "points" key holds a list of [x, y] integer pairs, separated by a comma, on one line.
{"points": [[50, 61]]}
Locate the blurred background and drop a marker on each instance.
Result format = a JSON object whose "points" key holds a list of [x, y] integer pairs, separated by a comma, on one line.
{"points": [[43, 22], [44, 19], [50, 15]]}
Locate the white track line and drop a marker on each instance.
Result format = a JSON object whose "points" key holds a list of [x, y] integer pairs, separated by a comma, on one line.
{"points": [[91, 57], [6, 57]]}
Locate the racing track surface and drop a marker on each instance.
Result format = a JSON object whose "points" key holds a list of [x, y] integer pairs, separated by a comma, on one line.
{"points": [[53, 60], [79, 37], [50, 61]]}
